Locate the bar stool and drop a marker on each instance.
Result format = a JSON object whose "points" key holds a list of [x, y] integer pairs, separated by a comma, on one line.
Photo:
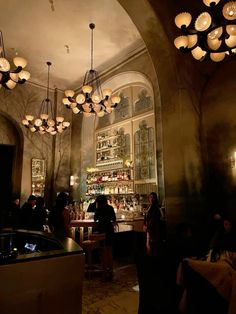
{"points": [[95, 242]]}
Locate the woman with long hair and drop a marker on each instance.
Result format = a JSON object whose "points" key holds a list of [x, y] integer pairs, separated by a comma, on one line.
{"points": [[59, 217]]}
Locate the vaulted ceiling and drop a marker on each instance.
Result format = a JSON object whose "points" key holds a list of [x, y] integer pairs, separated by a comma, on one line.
{"points": [[58, 31]]}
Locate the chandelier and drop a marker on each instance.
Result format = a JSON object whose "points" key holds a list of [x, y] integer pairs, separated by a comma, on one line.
{"points": [[9, 78], [212, 34], [46, 123], [91, 99]]}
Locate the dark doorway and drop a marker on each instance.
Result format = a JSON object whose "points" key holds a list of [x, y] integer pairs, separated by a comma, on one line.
{"points": [[7, 155]]}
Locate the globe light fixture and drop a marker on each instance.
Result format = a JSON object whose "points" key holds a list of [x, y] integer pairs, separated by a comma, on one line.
{"points": [[45, 123], [213, 33], [91, 99], [10, 78]]}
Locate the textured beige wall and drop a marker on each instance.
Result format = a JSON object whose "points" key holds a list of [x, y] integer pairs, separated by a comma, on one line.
{"points": [[26, 99]]}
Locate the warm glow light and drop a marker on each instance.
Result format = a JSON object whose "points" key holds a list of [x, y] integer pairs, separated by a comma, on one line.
{"points": [[80, 99], [69, 93], [216, 33], [24, 75], [87, 89], [231, 41], [181, 42], [203, 22], [231, 29], [183, 19], [229, 10], [217, 56], [4, 65], [211, 2], [198, 53], [91, 99], [20, 62], [192, 40], [214, 44], [115, 99]]}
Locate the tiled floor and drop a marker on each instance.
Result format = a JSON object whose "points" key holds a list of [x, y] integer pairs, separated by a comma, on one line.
{"points": [[116, 297]]}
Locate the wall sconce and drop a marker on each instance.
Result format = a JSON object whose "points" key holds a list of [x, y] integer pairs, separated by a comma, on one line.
{"points": [[74, 180]]}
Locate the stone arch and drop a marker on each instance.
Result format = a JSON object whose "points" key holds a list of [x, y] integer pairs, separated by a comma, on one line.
{"points": [[11, 134]]}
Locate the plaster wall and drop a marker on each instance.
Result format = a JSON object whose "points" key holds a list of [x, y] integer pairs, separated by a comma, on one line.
{"points": [[220, 132], [14, 104]]}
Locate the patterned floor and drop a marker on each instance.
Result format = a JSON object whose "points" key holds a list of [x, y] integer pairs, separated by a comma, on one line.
{"points": [[116, 297]]}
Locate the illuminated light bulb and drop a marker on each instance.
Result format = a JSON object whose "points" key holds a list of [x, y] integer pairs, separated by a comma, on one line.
{"points": [[211, 2], [216, 33], [25, 122], [29, 117], [76, 110], [38, 122], [198, 53], [59, 119], [33, 129], [217, 56], [80, 99], [51, 122], [73, 105], [100, 114], [24, 75], [181, 42], [66, 101], [203, 22], [66, 124], [10, 84], [53, 133], [50, 129], [87, 89], [231, 41], [115, 99], [183, 19], [4, 65], [20, 62], [231, 29], [14, 77], [229, 10], [96, 99], [214, 44], [107, 92], [44, 116], [69, 93], [192, 40]]}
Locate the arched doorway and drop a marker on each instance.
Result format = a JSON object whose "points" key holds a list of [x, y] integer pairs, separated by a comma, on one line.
{"points": [[11, 147]]}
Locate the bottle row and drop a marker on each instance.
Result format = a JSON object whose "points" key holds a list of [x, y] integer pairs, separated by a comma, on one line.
{"points": [[111, 176], [98, 189]]}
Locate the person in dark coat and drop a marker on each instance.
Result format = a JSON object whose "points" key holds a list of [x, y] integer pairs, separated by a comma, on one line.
{"points": [[26, 212], [105, 217], [14, 212], [39, 215], [59, 217], [153, 226]]}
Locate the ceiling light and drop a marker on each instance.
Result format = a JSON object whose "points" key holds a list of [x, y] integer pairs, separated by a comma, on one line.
{"points": [[212, 34], [91, 99], [45, 123], [9, 78]]}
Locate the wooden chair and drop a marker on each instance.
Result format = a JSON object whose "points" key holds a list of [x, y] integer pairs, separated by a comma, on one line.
{"points": [[95, 242]]}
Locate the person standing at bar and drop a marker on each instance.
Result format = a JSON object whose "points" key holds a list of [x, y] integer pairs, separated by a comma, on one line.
{"points": [[105, 217], [153, 226], [59, 217]]}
